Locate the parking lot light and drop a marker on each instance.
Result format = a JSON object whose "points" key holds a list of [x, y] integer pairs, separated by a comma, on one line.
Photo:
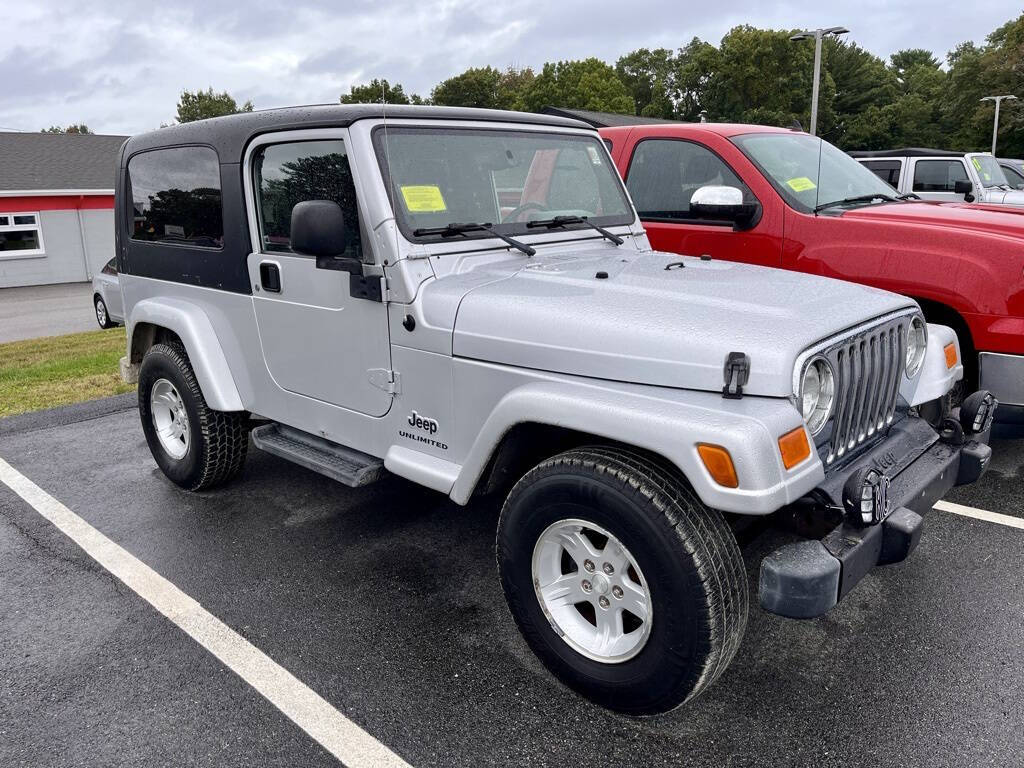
{"points": [[995, 123], [817, 35]]}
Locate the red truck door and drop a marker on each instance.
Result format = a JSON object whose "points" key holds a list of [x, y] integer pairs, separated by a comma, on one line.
{"points": [[663, 171]]}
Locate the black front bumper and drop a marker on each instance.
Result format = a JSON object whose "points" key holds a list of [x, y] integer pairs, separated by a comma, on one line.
{"points": [[806, 579]]}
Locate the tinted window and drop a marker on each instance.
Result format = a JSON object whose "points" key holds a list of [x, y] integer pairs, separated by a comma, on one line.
{"points": [[664, 174], [176, 196], [286, 174], [938, 175], [887, 170], [1013, 176]]}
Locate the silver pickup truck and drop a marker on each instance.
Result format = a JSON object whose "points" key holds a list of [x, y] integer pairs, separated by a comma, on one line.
{"points": [[466, 299], [935, 174]]}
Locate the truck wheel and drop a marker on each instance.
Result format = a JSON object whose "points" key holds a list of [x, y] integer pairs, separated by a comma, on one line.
{"points": [[627, 587], [195, 446]]}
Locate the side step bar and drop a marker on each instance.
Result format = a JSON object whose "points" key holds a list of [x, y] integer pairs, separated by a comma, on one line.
{"points": [[346, 465]]}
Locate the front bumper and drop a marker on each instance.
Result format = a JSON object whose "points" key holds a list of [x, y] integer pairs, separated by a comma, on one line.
{"points": [[806, 579]]}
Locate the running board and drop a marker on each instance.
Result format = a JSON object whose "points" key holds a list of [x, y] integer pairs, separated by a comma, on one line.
{"points": [[346, 465]]}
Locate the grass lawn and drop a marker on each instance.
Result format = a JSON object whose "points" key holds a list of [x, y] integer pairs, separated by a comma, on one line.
{"points": [[58, 370]]}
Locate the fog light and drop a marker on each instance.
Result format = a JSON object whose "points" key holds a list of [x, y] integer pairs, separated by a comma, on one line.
{"points": [[977, 412], [866, 497]]}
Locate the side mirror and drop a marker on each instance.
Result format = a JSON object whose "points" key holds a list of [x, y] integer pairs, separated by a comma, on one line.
{"points": [[725, 204], [318, 229], [964, 188]]}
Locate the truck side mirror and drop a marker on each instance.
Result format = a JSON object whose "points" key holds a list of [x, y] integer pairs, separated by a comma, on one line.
{"points": [[964, 188], [318, 229], [724, 203]]}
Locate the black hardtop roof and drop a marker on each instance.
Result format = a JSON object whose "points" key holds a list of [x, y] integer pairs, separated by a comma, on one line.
{"points": [[230, 134], [907, 152]]}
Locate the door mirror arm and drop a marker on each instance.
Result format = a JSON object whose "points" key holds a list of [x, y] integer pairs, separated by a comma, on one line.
{"points": [[340, 264]]}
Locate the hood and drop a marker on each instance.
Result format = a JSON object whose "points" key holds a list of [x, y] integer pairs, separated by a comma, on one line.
{"points": [[964, 217], [1004, 196], [646, 324]]}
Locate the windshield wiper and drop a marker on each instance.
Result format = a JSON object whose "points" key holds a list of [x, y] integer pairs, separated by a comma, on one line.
{"points": [[857, 199], [908, 196], [454, 229], [561, 221]]}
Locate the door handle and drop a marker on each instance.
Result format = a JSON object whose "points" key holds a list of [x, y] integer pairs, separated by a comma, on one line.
{"points": [[270, 277]]}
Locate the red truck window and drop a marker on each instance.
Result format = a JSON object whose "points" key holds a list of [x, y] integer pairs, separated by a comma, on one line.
{"points": [[663, 174]]}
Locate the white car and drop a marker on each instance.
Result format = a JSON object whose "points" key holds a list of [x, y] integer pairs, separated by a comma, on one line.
{"points": [[934, 174], [106, 296]]}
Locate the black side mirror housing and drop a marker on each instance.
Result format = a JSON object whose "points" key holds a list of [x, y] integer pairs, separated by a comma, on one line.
{"points": [[964, 188], [318, 229]]}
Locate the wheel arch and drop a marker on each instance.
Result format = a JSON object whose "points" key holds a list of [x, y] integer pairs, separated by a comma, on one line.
{"points": [[945, 314], [156, 321]]}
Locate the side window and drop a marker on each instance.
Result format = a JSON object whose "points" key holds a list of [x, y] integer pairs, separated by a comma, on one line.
{"points": [[286, 174], [1015, 177], [887, 170], [664, 173], [176, 197], [938, 175]]}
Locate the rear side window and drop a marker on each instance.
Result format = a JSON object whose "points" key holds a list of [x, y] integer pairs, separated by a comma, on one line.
{"points": [[286, 174], [887, 170], [664, 174], [176, 197], [938, 175], [1015, 177]]}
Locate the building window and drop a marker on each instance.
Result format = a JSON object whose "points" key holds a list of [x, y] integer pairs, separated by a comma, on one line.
{"points": [[176, 197], [20, 235]]}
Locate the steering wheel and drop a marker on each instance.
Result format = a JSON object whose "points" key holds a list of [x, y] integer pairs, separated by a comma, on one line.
{"points": [[516, 212]]}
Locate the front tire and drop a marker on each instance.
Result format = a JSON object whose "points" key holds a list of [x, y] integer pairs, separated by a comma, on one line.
{"points": [[195, 446], [656, 576]]}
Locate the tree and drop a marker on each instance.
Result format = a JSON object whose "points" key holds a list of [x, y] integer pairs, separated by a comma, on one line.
{"points": [[484, 87], [650, 76], [584, 84], [73, 128], [378, 90], [200, 105]]}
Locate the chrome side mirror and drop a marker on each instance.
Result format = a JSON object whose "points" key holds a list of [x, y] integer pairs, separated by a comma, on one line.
{"points": [[723, 203]]}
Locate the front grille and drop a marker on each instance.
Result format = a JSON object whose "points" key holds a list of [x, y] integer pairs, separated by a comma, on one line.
{"points": [[867, 368]]}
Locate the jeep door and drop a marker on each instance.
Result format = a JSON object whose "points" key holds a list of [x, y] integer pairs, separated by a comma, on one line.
{"points": [[935, 178], [664, 172], [319, 340]]}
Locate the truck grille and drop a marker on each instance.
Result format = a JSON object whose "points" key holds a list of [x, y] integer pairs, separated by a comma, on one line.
{"points": [[867, 369]]}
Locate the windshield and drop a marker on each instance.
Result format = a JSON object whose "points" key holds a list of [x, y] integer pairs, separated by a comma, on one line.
{"points": [[443, 176], [790, 161], [989, 170]]}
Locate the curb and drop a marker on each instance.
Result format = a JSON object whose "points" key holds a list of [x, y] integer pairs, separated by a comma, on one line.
{"points": [[68, 414]]}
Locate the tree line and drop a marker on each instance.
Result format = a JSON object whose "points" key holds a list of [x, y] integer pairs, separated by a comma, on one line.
{"points": [[752, 76]]}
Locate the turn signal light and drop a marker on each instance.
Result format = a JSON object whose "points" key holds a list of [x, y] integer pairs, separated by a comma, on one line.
{"points": [[950, 355], [794, 447], [719, 464]]}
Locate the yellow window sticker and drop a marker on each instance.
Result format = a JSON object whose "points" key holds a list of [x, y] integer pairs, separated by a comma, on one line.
{"points": [[426, 198], [801, 184], [977, 165]]}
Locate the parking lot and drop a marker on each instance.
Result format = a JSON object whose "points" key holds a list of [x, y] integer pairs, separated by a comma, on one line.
{"points": [[385, 602]]}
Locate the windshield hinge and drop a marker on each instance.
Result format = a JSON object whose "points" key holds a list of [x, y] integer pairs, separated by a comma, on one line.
{"points": [[386, 379], [737, 373]]}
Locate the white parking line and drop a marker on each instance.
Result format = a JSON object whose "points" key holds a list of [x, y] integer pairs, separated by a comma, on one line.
{"points": [[326, 725], [980, 514]]}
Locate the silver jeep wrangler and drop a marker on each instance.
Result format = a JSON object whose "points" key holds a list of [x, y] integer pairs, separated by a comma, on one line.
{"points": [[467, 299]]}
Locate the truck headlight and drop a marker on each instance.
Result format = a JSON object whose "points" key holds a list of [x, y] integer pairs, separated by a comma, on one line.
{"points": [[817, 394], [917, 344]]}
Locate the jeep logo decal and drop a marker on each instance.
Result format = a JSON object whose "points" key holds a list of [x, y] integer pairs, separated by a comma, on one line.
{"points": [[427, 425]]}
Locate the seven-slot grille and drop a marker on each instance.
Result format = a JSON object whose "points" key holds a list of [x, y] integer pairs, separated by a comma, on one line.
{"points": [[867, 371]]}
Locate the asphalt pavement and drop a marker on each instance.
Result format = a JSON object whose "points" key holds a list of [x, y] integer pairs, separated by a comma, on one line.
{"points": [[385, 601], [45, 310]]}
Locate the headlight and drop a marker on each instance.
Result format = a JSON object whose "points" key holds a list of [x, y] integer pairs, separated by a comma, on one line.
{"points": [[917, 343], [817, 394]]}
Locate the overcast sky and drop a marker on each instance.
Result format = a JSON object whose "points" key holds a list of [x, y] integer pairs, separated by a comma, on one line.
{"points": [[119, 66]]}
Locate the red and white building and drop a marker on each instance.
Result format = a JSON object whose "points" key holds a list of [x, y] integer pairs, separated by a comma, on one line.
{"points": [[56, 206]]}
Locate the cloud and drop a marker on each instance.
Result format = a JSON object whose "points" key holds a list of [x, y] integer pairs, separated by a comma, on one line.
{"points": [[120, 66]]}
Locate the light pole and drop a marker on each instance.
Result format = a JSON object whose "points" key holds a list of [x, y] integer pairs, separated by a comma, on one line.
{"points": [[995, 126], [817, 34]]}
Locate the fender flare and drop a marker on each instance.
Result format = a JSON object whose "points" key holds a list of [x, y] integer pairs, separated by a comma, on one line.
{"points": [[669, 425], [192, 325]]}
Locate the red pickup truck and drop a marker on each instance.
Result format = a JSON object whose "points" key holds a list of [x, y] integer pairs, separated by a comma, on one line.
{"points": [[785, 199]]}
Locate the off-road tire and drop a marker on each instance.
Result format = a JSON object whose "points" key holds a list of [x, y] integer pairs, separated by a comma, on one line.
{"points": [[106, 322], [690, 558], [219, 440]]}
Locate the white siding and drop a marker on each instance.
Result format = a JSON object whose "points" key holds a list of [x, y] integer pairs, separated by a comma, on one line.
{"points": [[64, 261]]}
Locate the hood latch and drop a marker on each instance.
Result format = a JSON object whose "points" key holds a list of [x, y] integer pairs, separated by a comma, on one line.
{"points": [[737, 373]]}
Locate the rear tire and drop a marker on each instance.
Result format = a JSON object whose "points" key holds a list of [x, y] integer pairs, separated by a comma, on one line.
{"points": [[195, 446], [102, 314], [685, 559]]}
